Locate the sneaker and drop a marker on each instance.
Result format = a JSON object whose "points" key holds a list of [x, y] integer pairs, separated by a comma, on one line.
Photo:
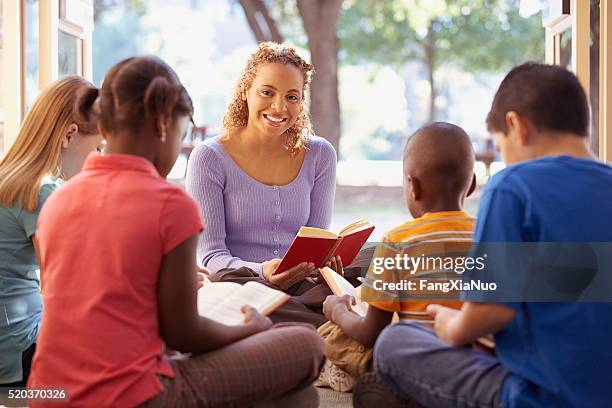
{"points": [[340, 380], [334, 377], [323, 380]]}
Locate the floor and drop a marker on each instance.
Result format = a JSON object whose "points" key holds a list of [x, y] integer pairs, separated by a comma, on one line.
{"points": [[329, 398]]}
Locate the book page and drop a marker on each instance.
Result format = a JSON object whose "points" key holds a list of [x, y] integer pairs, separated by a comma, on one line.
{"points": [[341, 286], [259, 296], [228, 310], [315, 233], [213, 293], [356, 226], [226, 313]]}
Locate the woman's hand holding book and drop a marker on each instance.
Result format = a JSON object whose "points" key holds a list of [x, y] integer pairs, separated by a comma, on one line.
{"points": [[288, 278]]}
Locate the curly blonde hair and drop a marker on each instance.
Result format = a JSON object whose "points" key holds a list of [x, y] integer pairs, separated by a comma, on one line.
{"points": [[237, 112]]}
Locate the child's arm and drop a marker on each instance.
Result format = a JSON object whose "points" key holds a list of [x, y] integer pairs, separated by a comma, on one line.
{"points": [[474, 320], [363, 329], [180, 325]]}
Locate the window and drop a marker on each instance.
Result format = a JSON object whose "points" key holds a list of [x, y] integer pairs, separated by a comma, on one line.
{"points": [[69, 54]]}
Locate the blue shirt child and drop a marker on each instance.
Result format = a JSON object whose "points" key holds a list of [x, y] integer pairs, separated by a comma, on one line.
{"points": [[558, 353]]}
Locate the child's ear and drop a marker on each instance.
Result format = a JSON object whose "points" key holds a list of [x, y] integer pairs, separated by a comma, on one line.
{"points": [[472, 186], [71, 132], [415, 188], [518, 127]]}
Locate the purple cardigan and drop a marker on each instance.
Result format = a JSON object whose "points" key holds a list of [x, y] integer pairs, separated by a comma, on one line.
{"points": [[247, 222]]}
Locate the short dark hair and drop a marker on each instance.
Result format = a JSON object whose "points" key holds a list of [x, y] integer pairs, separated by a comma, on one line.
{"points": [[549, 96], [442, 154]]}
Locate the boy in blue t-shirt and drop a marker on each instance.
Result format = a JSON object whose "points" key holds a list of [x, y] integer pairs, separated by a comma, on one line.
{"points": [[553, 190]]}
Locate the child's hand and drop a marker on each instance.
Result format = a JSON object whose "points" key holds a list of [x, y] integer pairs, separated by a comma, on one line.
{"points": [[288, 278], [443, 317], [200, 277], [256, 322], [337, 304], [201, 274]]}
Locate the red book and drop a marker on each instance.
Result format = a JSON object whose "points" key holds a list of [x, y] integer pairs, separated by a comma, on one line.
{"points": [[317, 245]]}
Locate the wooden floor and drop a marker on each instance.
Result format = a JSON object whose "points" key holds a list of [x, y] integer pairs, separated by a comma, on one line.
{"points": [[329, 398]]}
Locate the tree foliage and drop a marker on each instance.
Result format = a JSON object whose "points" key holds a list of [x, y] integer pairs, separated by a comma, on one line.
{"points": [[101, 7], [473, 35], [476, 35]]}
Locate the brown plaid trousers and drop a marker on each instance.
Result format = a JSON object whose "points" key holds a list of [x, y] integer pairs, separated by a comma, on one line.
{"points": [[285, 358]]}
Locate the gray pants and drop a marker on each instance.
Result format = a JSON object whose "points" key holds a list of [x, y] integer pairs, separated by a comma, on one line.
{"points": [[418, 366]]}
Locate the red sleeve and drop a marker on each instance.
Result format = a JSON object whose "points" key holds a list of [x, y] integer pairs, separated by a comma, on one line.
{"points": [[180, 219]]}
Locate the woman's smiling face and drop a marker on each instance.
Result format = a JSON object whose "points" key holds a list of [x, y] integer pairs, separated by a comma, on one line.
{"points": [[275, 98]]}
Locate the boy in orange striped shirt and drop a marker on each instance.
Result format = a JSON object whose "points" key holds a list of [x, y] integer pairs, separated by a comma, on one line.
{"points": [[438, 176]]}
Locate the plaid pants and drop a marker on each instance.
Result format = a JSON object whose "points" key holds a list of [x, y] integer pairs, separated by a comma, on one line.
{"points": [[269, 364]]}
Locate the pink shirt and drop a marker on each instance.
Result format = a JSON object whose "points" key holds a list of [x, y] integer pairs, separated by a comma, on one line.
{"points": [[101, 240]]}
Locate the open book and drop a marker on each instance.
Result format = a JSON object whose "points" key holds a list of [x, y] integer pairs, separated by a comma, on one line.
{"points": [[222, 301], [317, 245], [340, 286]]}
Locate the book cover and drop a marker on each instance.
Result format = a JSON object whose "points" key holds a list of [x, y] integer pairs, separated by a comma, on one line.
{"points": [[351, 244], [318, 245]]}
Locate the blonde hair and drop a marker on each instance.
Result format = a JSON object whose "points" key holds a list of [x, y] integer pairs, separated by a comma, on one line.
{"points": [[36, 152], [237, 112]]}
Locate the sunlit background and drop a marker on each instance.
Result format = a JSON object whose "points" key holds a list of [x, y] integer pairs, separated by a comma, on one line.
{"points": [[384, 71], [400, 64]]}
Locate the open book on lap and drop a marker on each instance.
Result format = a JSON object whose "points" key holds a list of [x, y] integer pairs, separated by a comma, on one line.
{"points": [[340, 287], [223, 301], [317, 245]]}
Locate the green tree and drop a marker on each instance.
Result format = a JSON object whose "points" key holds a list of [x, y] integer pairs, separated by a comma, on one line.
{"points": [[474, 35]]}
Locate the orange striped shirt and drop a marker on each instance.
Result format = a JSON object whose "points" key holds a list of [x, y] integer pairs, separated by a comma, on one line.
{"points": [[438, 239]]}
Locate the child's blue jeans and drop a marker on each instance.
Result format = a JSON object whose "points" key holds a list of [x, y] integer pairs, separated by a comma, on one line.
{"points": [[420, 367]]}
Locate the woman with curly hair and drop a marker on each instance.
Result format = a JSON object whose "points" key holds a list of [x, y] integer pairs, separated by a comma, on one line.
{"points": [[267, 174]]}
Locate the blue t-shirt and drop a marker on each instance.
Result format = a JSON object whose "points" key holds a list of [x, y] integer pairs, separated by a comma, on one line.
{"points": [[20, 300], [557, 353]]}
